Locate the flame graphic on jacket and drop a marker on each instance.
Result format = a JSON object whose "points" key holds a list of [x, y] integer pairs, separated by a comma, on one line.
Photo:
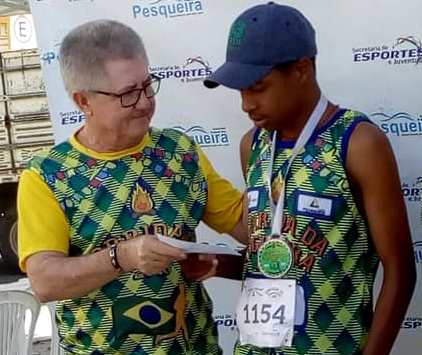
{"points": [[142, 202]]}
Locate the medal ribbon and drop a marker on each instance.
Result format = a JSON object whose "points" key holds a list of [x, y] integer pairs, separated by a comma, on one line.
{"points": [[305, 135]]}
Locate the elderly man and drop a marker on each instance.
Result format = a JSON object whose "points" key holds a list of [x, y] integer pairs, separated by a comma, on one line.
{"points": [[89, 210], [325, 203]]}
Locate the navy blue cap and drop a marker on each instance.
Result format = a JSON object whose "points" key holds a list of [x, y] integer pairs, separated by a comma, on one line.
{"points": [[261, 38]]}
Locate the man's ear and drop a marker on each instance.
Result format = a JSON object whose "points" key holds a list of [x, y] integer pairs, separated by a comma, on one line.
{"points": [[82, 100], [304, 69]]}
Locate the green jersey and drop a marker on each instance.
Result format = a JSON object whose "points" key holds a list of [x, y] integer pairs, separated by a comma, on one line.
{"points": [[334, 259]]}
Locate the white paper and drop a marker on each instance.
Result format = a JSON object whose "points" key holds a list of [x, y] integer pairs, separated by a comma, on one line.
{"points": [[200, 248], [266, 311]]}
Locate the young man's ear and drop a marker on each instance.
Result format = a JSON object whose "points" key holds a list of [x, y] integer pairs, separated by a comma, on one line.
{"points": [[305, 69]]}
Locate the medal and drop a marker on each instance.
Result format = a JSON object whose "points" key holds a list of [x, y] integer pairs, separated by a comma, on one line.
{"points": [[275, 258], [266, 312]]}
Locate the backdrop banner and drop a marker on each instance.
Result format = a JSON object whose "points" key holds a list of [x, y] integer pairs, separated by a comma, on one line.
{"points": [[369, 60]]}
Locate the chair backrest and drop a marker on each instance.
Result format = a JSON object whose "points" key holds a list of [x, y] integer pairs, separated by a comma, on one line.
{"points": [[15, 306], [55, 342]]}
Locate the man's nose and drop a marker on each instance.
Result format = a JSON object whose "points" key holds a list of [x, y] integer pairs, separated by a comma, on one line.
{"points": [[248, 104], [144, 103]]}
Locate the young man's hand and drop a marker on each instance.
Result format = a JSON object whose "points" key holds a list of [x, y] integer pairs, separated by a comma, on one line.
{"points": [[199, 266], [203, 266]]}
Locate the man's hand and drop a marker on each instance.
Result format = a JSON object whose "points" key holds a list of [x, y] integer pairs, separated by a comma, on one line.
{"points": [[77, 276], [199, 266], [147, 255]]}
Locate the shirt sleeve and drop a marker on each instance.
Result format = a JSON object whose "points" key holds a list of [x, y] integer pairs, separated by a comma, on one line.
{"points": [[224, 204], [42, 225]]}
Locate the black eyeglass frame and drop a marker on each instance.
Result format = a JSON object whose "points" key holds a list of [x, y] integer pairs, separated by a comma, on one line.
{"points": [[152, 78]]}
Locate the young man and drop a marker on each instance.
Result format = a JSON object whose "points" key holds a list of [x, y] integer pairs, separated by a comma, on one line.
{"points": [[325, 202], [90, 209]]}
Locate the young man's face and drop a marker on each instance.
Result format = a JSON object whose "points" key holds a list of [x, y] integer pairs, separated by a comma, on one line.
{"points": [[274, 100]]}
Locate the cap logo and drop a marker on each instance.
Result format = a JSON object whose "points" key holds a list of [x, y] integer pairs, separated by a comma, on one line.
{"points": [[237, 34]]}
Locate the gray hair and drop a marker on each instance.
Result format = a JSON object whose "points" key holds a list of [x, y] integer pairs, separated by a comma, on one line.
{"points": [[86, 48]]}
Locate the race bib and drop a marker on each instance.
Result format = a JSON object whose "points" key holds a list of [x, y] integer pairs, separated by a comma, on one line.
{"points": [[265, 314]]}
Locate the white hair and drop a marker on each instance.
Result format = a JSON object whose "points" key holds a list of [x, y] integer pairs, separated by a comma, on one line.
{"points": [[86, 48]]}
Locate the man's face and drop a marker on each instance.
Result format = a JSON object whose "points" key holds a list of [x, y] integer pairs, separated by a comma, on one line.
{"points": [[126, 123], [274, 100]]}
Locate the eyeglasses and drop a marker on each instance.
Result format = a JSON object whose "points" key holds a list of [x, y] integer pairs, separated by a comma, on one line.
{"points": [[131, 97]]}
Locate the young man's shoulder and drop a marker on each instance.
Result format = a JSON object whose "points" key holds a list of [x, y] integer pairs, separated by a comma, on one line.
{"points": [[352, 114]]}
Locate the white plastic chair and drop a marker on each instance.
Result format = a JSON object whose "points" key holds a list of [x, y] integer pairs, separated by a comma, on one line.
{"points": [[55, 343], [14, 307]]}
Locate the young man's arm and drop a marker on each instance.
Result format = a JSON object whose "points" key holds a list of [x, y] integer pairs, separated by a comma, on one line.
{"points": [[245, 149], [375, 181], [231, 266], [245, 152], [206, 266], [201, 267]]}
